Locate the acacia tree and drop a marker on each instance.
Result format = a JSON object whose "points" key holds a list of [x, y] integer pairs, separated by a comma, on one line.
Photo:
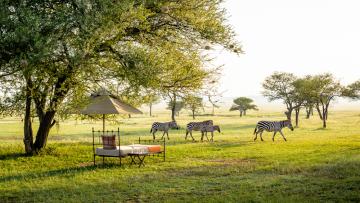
{"points": [[243, 104], [303, 96], [194, 103], [280, 86], [50, 48], [151, 99], [353, 90], [184, 75], [175, 107], [327, 89]]}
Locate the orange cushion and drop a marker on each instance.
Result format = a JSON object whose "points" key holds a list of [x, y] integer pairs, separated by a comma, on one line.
{"points": [[154, 148]]}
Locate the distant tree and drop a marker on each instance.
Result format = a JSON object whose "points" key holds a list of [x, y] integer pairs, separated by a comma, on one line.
{"points": [[214, 101], [175, 107], [309, 95], [194, 103], [150, 99], [303, 96], [211, 92], [242, 104], [327, 89], [280, 86], [352, 91]]}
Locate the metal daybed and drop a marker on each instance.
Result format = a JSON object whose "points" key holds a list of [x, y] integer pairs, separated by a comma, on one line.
{"points": [[137, 152]]}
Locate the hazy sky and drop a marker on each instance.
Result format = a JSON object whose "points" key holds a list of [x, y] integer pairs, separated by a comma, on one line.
{"points": [[302, 37]]}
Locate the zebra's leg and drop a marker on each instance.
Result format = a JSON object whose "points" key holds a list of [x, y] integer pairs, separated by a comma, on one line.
{"points": [[167, 133], [282, 135], [202, 136], [154, 131], [163, 135], [187, 132], [261, 135], [212, 136], [192, 136], [274, 135], [256, 136], [206, 136]]}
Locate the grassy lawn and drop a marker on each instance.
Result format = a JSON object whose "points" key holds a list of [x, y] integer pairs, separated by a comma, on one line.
{"points": [[314, 165]]}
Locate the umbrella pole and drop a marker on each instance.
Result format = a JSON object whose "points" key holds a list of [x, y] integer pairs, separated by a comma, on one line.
{"points": [[103, 123]]}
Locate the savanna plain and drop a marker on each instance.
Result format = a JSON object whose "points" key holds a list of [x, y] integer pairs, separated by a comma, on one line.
{"points": [[314, 165]]}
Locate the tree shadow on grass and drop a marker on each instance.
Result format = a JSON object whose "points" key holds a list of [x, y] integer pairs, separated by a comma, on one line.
{"points": [[320, 129], [58, 172], [14, 155]]}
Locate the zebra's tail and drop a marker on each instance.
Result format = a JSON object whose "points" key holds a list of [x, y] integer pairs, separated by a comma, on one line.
{"points": [[255, 130]]}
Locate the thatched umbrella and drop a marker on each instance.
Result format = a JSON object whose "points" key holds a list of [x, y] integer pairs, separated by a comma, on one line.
{"points": [[107, 104]]}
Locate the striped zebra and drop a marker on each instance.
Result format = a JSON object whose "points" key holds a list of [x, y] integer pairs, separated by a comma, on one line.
{"points": [[211, 129], [272, 126], [157, 126], [196, 126]]}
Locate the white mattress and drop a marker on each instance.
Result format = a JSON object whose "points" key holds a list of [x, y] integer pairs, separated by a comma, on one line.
{"points": [[122, 151]]}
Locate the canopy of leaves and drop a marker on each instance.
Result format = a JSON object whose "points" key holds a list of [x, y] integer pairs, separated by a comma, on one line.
{"points": [[194, 103], [178, 105], [243, 104], [279, 85], [353, 90], [125, 45]]}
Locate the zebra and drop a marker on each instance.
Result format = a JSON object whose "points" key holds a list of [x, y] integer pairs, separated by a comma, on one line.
{"points": [[211, 129], [196, 126], [272, 126], [157, 126]]}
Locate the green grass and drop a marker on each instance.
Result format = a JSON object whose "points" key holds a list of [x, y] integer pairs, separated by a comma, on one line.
{"points": [[314, 165]]}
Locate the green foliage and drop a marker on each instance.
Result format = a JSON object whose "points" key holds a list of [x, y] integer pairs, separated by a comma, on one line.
{"points": [[352, 91], [318, 90], [194, 104], [243, 104], [52, 50], [179, 105], [279, 85]]}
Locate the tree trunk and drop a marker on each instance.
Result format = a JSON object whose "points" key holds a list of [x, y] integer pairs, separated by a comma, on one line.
{"points": [[319, 111], [324, 120], [324, 115], [289, 113], [193, 114], [173, 109], [244, 112], [129, 115], [241, 113], [308, 112], [150, 106], [28, 132], [43, 132], [297, 112]]}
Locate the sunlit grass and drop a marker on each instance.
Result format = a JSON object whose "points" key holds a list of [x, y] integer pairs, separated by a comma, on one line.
{"points": [[314, 165]]}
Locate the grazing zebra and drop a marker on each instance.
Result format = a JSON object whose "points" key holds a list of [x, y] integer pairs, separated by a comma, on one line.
{"points": [[157, 126], [197, 126], [272, 126], [211, 129]]}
